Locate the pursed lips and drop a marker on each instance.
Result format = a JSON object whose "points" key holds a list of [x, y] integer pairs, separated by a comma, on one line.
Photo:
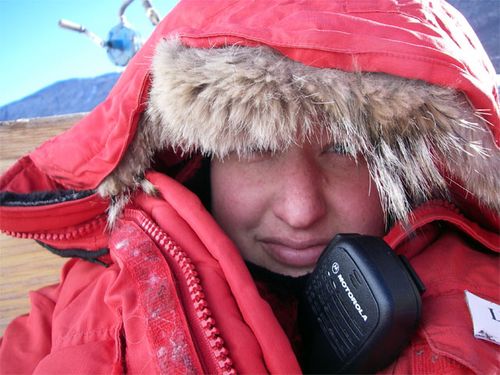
{"points": [[296, 253]]}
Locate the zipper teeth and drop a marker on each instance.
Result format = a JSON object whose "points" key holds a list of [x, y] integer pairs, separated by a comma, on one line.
{"points": [[207, 322], [54, 236]]}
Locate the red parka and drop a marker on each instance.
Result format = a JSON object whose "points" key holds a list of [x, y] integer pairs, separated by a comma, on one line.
{"points": [[165, 290]]}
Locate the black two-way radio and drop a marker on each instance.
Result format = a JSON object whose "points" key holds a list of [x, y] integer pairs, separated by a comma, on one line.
{"points": [[361, 307]]}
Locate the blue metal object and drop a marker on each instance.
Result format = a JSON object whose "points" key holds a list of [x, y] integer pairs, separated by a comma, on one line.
{"points": [[122, 44]]}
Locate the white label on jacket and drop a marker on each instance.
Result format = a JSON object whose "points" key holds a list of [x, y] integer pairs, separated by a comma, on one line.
{"points": [[485, 317]]}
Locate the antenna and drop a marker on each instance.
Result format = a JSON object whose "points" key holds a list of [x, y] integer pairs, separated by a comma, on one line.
{"points": [[150, 11], [69, 25]]}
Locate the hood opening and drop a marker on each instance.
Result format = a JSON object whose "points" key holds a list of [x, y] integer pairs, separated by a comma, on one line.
{"points": [[236, 99]]}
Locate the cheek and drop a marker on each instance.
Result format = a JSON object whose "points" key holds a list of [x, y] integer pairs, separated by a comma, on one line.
{"points": [[235, 201], [357, 203]]}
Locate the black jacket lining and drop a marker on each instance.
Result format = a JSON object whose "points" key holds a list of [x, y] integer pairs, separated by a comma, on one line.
{"points": [[89, 255], [42, 198]]}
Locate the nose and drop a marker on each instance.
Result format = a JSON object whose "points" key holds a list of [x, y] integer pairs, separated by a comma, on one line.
{"points": [[301, 201]]}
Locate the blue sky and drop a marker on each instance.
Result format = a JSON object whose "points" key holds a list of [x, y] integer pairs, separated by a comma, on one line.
{"points": [[36, 52]]}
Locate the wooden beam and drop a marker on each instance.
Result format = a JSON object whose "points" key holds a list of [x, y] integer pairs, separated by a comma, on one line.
{"points": [[24, 265], [19, 137]]}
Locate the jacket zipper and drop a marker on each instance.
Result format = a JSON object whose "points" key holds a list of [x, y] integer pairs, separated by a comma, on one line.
{"points": [[55, 236], [210, 332]]}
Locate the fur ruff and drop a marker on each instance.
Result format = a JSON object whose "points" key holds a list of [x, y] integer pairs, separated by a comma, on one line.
{"points": [[243, 99]]}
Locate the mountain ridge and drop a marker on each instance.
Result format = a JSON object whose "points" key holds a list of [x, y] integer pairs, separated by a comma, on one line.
{"points": [[63, 97]]}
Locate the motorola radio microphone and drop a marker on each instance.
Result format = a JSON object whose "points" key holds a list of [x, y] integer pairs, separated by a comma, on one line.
{"points": [[361, 307]]}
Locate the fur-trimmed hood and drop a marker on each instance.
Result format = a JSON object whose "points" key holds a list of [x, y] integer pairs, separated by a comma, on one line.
{"points": [[416, 136], [245, 99], [405, 84]]}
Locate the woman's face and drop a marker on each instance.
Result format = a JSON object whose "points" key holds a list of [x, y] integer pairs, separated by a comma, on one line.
{"points": [[282, 209]]}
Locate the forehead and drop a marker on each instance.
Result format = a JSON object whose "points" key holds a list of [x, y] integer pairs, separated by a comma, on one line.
{"points": [[317, 137]]}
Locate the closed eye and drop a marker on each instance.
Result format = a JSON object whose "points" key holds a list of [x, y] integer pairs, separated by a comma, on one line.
{"points": [[257, 155]]}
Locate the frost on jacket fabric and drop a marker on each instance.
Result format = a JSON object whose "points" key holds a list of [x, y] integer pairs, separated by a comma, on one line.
{"points": [[404, 84]]}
